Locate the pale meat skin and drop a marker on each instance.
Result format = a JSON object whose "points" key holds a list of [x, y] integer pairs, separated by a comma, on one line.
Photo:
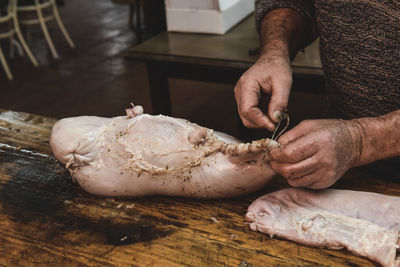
{"points": [[367, 224], [140, 155]]}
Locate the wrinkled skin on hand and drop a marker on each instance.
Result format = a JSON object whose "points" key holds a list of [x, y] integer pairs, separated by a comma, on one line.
{"points": [[316, 153], [272, 74]]}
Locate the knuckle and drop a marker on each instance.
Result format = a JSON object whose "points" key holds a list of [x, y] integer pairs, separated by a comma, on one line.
{"points": [[236, 90], [240, 81], [291, 171], [250, 113], [330, 174], [256, 114], [245, 77], [289, 79], [325, 162], [246, 123], [288, 153], [329, 135], [245, 112], [283, 153], [286, 173]]}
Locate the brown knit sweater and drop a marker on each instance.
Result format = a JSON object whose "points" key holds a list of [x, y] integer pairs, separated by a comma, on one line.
{"points": [[360, 51]]}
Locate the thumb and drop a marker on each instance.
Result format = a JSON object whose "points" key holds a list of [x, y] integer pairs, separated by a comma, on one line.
{"points": [[279, 98]]}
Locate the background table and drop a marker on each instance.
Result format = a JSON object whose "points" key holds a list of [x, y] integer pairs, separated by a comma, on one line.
{"points": [[214, 58], [46, 220]]}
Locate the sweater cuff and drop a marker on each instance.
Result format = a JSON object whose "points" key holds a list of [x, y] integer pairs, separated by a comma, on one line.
{"points": [[304, 7]]}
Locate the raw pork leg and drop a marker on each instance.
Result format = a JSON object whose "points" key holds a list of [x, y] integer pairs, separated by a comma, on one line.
{"points": [[367, 224], [140, 154]]}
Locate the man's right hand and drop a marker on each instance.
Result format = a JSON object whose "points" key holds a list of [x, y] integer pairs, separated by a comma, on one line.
{"points": [[282, 32], [273, 75]]}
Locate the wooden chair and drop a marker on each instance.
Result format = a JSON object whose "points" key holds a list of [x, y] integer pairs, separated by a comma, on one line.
{"points": [[11, 19], [39, 6]]}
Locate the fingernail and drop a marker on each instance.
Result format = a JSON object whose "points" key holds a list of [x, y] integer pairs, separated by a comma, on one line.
{"points": [[272, 144], [277, 115]]}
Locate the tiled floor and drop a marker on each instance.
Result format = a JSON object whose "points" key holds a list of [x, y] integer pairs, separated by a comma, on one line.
{"points": [[94, 78]]}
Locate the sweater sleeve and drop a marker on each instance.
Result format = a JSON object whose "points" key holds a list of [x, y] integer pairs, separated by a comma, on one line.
{"points": [[305, 8]]}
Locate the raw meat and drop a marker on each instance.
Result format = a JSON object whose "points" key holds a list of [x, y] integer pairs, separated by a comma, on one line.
{"points": [[367, 224], [140, 154]]}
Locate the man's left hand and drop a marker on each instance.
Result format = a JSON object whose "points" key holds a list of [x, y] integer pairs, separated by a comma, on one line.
{"points": [[316, 153]]}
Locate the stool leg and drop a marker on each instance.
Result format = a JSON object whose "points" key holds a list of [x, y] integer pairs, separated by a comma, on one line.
{"points": [[130, 18], [13, 43], [45, 31], [5, 65], [11, 52], [22, 40], [61, 25]]}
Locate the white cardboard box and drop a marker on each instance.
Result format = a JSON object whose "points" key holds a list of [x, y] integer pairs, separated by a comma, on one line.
{"points": [[206, 16]]}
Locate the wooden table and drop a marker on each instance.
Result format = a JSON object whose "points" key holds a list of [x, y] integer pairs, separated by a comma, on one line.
{"points": [[214, 58], [46, 220]]}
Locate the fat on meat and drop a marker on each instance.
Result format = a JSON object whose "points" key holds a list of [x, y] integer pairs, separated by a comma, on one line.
{"points": [[141, 154], [366, 224]]}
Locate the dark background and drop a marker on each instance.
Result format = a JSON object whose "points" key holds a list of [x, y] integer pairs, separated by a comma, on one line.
{"points": [[95, 79]]}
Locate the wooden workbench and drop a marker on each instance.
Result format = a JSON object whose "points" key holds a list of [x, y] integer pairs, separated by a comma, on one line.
{"points": [[47, 220]]}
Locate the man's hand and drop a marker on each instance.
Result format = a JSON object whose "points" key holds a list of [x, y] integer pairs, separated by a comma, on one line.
{"points": [[282, 32], [272, 74], [316, 153]]}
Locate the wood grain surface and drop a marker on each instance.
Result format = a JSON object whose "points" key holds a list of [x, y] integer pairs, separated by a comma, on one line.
{"points": [[47, 220]]}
